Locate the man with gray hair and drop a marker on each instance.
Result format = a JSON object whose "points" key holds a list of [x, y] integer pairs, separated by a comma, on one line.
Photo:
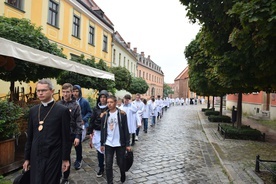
{"points": [[48, 145]]}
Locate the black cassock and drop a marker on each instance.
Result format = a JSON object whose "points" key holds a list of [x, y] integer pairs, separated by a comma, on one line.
{"points": [[47, 148]]}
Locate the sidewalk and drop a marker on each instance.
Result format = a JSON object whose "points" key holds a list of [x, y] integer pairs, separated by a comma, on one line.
{"points": [[238, 156]]}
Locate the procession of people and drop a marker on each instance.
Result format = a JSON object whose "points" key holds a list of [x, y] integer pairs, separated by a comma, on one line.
{"points": [[113, 125]]}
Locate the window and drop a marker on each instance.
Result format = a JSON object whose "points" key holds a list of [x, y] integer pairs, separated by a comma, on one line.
{"points": [[75, 57], [124, 61], [53, 13], [120, 55], [114, 56], [92, 35], [76, 26], [131, 67], [149, 76], [105, 43], [139, 73], [16, 3]]}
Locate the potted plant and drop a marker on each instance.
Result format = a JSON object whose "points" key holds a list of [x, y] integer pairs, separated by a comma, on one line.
{"points": [[9, 114]]}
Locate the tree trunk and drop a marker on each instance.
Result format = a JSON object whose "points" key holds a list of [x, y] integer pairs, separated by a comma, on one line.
{"points": [[239, 111], [220, 106], [208, 102], [11, 91], [213, 103]]}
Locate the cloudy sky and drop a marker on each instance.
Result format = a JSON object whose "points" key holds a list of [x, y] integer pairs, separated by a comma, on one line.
{"points": [[158, 28]]}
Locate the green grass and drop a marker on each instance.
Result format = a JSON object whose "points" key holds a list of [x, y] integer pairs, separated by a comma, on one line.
{"points": [[4, 181]]}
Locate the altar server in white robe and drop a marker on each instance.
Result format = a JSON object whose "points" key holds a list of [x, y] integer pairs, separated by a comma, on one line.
{"points": [[140, 108], [130, 111]]}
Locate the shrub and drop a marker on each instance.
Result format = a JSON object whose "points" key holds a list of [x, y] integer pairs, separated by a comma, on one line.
{"points": [[223, 118], [245, 132], [211, 112], [205, 109], [9, 114]]}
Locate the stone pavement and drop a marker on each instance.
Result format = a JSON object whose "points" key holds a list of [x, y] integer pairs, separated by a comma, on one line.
{"points": [[182, 148], [238, 156]]}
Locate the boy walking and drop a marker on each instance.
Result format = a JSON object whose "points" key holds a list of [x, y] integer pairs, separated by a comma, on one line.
{"points": [[75, 123]]}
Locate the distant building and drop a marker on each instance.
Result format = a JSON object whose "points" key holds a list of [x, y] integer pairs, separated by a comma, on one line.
{"points": [[123, 56], [151, 73], [181, 85]]}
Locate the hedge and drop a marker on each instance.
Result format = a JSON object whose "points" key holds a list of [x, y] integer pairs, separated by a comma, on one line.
{"points": [[223, 118]]}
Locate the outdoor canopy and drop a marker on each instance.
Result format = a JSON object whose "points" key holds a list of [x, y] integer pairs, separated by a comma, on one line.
{"points": [[25, 53]]}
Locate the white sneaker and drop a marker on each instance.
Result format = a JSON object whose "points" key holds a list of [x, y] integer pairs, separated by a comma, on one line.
{"points": [[136, 138]]}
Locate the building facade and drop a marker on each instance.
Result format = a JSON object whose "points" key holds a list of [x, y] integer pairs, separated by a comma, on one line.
{"points": [[180, 86], [151, 73], [78, 27], [123, 56], [259, 104]]}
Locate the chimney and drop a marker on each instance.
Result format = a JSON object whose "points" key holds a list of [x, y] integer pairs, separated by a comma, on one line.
{"points": [[148, 57], [143, 54], [128, 45], [135, 49]]}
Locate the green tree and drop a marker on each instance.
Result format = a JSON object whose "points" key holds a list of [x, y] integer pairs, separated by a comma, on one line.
{"points": [[255, 36], [86, 81], [202, 76], [167, 90], [138, 85], [24, 32], [122, 77], [237, 68]]}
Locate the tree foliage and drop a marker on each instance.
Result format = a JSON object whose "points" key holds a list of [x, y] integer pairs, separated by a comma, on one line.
{"points": [[239, 37], [86, 81], [138, 85], [122, 77], [167, 90], [24, 32]]}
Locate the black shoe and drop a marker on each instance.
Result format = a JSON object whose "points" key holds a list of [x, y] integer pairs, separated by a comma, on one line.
{"points": [[64, 181], [146, 131], [100, 173], [132, 144], [77, 165], [123, 178]]}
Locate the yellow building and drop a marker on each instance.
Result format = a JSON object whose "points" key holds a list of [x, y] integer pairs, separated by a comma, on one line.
{"points": [[79, 27]]}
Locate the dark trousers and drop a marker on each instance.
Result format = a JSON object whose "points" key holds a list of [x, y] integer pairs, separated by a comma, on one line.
{"points": [[100, 160], [67, 173], [133, 138], [145, 121], [109, 156], [79, 152], [137, 131]]}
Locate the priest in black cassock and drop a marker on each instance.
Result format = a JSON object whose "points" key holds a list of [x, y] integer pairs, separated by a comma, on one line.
{"points": [[47, 151]]}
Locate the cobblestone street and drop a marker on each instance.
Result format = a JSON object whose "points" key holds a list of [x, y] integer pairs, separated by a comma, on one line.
{"points": [[176, 150]]}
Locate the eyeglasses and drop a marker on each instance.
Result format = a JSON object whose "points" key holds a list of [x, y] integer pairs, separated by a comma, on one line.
{"points": [[42, 90]]}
